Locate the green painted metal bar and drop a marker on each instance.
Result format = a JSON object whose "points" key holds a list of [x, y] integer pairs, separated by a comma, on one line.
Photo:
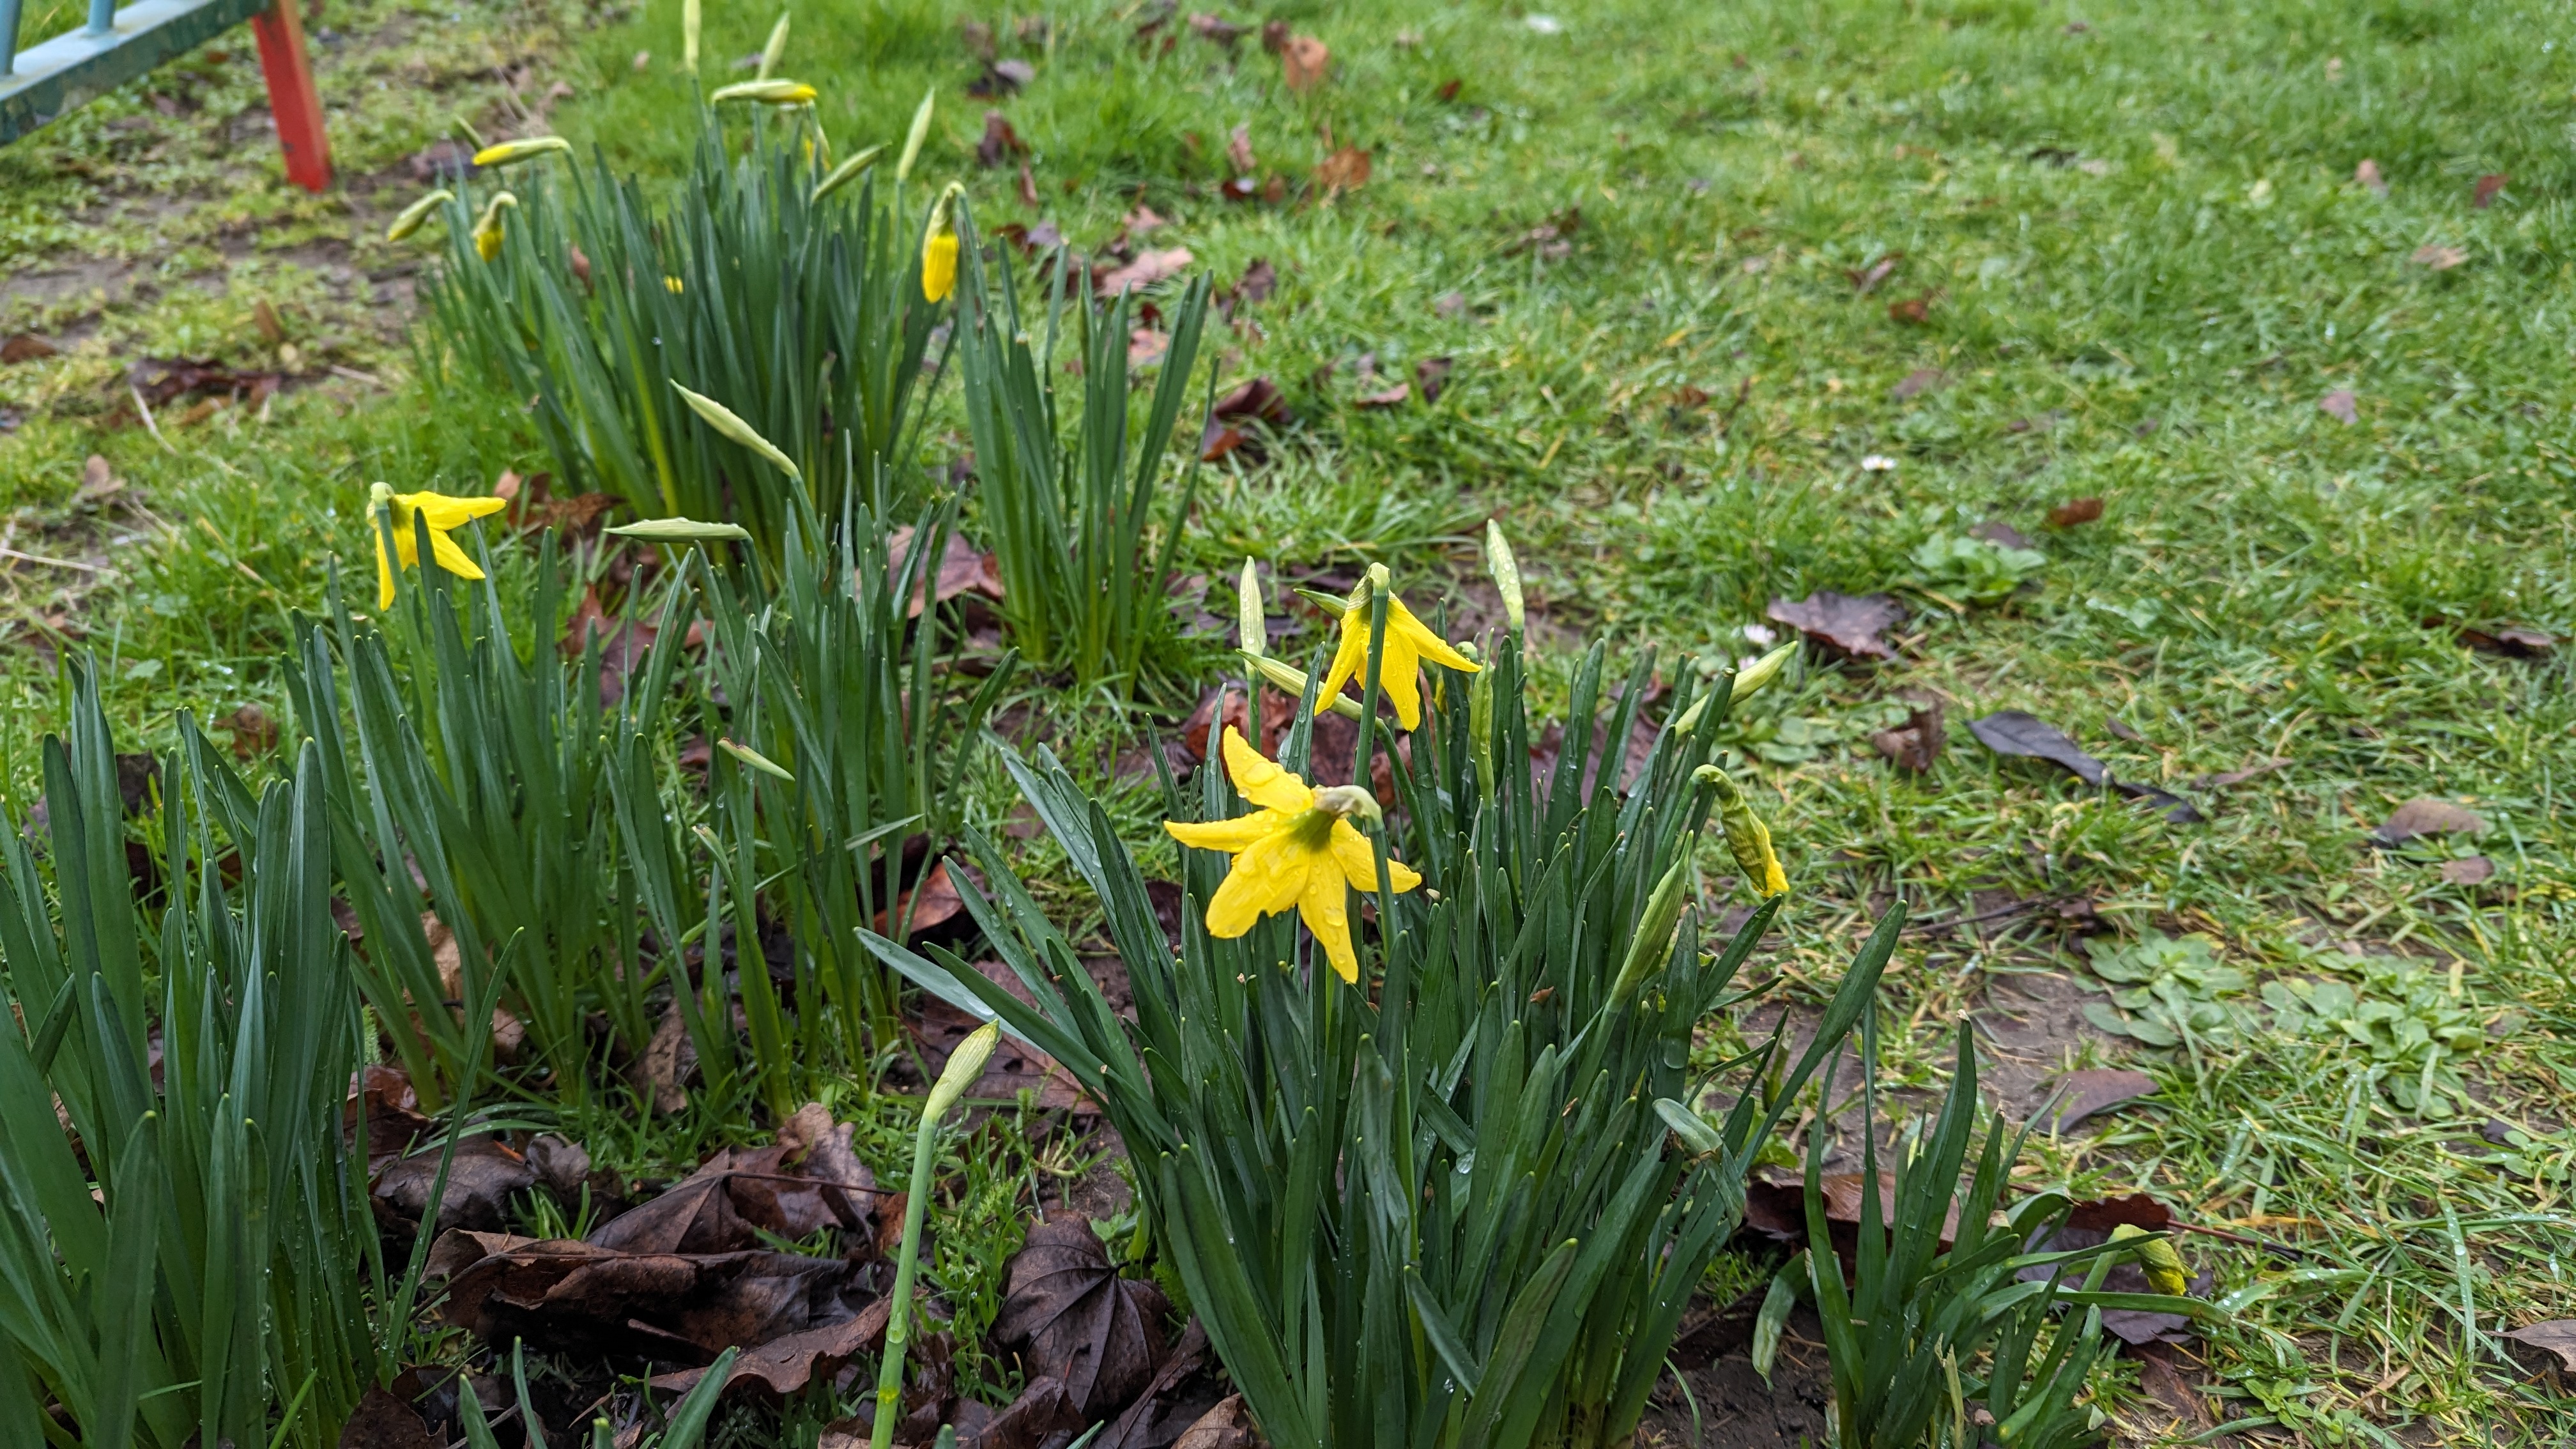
{"points": [[70, 70]]}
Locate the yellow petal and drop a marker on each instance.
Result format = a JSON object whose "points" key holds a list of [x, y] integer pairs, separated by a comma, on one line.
{"points": [[377, 524], [1425, 643], [1231, 836], [445, 512], [1325, 907], [1348, 656], [1358, 860], [1267, 878], [1400, 677], [1261, 780], [938, 265], [453, 559], [406, 545]]}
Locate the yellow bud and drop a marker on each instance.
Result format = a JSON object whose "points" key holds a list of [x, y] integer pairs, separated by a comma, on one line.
{"points": [[509, 151], [766, 92], [1761, 672], [965, 1065], [1747, 838], [674, 286], [487, 228], [2164, 1269], [417, 213]]}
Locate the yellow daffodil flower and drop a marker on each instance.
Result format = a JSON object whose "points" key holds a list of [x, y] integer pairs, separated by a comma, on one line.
{"points": [[1298, 849], [508, 152], [388, 510], [939, 249], [487, 228], [767, 93], [1409, 641]]}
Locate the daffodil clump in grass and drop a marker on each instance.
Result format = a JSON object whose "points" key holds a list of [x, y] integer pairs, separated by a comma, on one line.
{"points": [[1435, 1172]]}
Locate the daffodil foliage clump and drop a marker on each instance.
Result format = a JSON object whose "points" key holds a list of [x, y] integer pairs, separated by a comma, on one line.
{"points": [[1419, 1151]]}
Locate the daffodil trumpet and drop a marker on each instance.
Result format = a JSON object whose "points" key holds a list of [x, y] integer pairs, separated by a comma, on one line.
{"points": [[1297, 849], [939, 247], [401, 514], [1408, 643], [487, 227]]}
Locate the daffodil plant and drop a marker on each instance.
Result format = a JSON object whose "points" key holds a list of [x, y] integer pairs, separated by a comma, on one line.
{"points": [[1409, 1102], [783, 290]]}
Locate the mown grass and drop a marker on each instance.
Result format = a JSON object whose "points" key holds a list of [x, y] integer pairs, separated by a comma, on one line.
{"points": [[2136, 229]]}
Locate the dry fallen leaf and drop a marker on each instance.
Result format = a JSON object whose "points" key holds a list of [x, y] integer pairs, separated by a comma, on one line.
{"points": [[1227, 1426], [1912, 311], [26, 347], [2424, 816], [1847, 624], [2074, 511], [2439, 258], [2026, 736], [2512, 641], [962, 570], [1238, 148], [1074, 1319], [2098, 1089], [254, 733], [1916, 744], [2367, 173], [1920, 380], [1000, 141], [2339, 405], [1304, 61], [1391, 397], [1866, 279], [1145, 347], [1345, 170], [1431, 374], [2468, 870], [2557, 1336], [2487, 188], [1149, 268]]}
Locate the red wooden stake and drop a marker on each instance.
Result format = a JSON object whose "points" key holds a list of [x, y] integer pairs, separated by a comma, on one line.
{"points": [[291, 98]]}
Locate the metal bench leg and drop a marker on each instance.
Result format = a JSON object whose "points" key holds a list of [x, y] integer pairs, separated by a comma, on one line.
{"points": [[291, 97]]}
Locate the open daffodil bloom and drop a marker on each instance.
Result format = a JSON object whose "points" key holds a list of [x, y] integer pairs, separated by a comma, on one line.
{"points": [[1298, 849], [1409, 641], [394, 512]]}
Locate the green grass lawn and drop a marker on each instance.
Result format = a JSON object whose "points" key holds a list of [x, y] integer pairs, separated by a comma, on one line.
{"points": [[2230, 269]]}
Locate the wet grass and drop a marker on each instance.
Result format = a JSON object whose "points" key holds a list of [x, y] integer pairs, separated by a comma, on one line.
{"points": [[2144, 260]]}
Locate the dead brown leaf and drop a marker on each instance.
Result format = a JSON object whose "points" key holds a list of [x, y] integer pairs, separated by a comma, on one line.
{"points": [[1920, 380], [1911, 311], [2468, 870], [962, 570], [26, 347], [1848, 625], [2074, 511], [2367, 173], [2513, 641], [1865, 280], [1001, 78], [1000, 142], [1149, 268], [934, 903], [1277, 709], [481, 1180], [1076, 1320], [2340, 406], [1238, 149], [1431, 374], [254, 733], [1215, 31], [1145, 347], [623, 642], [2439, 258], [1916, 744], [2424, 816], [1303, 61], [2487, 187], [2098, 1089], [2557, 1336], [1345, 170], [382, 1421], [1227, 1426], [1390, 397], [666, 1063]]}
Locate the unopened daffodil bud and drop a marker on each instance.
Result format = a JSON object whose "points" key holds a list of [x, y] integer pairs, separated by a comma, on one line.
{"points": [[939, 247], [1290, 678], [756, 760], [919, 133], [1252, 631], [508, 152], [1761, 672], [848, 171], [2156, 1255], [689, 26], [724, 420], [1747, 838], [965, 1065], [412, 216], [777, 46], [767, 92], [1506, 570], [487, 227], [1652, 946]]}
